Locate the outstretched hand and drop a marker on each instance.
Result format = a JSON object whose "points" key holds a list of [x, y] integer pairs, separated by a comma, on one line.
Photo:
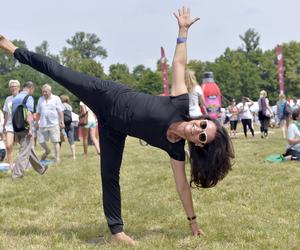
{"points": [[184, 18]]}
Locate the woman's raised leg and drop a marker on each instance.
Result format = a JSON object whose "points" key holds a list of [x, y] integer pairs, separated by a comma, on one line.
{"points": [[87, 88]]}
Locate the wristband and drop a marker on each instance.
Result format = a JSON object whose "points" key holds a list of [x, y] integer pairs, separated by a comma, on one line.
{"points": [[181, 39], [192, 218]]}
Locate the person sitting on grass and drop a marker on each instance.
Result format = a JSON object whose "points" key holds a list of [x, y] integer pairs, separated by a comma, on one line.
{"points": [[161, 121], [293, 137]]}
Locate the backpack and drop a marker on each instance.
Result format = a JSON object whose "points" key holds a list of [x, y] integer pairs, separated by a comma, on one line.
{"points": [[67, 117], [19, 119]]}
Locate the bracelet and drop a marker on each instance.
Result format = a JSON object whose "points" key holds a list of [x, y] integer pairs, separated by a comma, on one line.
{"points": [[192, 218], [181, 39]]}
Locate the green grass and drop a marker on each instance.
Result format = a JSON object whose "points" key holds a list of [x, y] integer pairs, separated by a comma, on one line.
{"points": [[257, 206]]}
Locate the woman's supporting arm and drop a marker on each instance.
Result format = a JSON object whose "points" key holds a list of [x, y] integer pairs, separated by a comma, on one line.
{"points": [[184, 192]]}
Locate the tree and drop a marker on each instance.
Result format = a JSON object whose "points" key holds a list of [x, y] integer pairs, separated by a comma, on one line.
{"points": [[291, 59], [150, 82], [7, 62], [251, 40], [120, 73], [138, 71], [87, 45]]}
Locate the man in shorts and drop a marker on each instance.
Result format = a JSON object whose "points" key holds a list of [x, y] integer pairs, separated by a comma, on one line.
{"points": [[49, 121]]}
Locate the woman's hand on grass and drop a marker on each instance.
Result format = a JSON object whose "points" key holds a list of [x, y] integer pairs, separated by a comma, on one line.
{"points": [[197, 231]]}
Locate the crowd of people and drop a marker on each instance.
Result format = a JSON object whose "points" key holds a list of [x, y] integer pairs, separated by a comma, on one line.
{"points": [[284, 115], [47, 123]]}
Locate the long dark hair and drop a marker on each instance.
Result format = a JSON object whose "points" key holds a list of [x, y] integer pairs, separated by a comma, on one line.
{"points": [[211, 163]]}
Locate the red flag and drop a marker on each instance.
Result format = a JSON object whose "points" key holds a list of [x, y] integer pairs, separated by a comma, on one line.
{"points": [[164, 72], [280, 68]]}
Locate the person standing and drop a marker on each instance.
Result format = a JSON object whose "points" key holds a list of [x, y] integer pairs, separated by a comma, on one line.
{"points": [[246, 115], [90, 127], [283, 112], [49, 121], [8, 130], [69, 128], [234, 117], [26, 151], [264, 113]]}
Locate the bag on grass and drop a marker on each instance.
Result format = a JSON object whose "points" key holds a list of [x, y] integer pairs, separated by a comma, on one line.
{"points": [[19, 119]]}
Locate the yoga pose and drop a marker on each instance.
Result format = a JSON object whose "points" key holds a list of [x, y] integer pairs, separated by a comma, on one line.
{"points": [[161, 121]]}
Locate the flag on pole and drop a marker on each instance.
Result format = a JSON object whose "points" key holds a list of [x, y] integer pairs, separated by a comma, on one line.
{"points": [[164, 72], [280, 68]]}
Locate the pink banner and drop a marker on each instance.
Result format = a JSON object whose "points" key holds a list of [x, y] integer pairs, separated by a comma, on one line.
{"points": [[164, 72], [280, 68]]}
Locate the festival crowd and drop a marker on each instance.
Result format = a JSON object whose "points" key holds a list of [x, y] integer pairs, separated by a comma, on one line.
{"points": [[52, 121]]}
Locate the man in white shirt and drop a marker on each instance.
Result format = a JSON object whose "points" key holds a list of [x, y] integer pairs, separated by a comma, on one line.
{"points": [[49, 121], [14, 87]]}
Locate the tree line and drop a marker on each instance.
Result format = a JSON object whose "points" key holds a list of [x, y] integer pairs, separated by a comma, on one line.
{"points": [[243, 71]]}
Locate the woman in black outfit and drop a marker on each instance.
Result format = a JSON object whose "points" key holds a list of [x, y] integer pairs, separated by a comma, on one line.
{"points": [[122, 111]]}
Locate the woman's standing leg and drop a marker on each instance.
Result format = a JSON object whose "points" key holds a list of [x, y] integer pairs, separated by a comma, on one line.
{"points": [[70, 135], [249, 124], [112, 146], [94, 138], [244, 122], [261, 121], [283, 127], [85, 134], [9, 147], [266, 126]]}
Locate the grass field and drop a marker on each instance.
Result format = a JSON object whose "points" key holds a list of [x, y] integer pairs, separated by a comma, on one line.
{"points": [[257, 206]]}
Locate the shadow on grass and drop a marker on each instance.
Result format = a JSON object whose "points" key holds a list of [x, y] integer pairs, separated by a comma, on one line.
{"points": [[86, 233]]}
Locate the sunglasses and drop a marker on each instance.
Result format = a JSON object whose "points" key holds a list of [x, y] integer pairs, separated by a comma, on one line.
{"points": [[203, 135]]}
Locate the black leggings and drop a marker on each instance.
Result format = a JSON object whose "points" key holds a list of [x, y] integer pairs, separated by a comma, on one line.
{"points": [[264, 125], [247, 123], [91, 91]]}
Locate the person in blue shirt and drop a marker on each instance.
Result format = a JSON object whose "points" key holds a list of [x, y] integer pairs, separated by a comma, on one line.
{"points": [[26, 152]]}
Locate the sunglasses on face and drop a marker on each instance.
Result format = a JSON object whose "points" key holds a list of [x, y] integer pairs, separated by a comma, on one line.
{"points": [[203, 135]]}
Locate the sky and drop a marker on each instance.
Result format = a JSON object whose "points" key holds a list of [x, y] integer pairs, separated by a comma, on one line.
{"points": [[132, 31]]}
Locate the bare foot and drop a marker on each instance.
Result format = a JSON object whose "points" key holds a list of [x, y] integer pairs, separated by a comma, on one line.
{"points": [[7, 45], [123, 238]]}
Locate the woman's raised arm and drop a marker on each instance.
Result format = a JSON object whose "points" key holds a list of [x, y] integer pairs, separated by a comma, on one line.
{"points": [[184, 20]]}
